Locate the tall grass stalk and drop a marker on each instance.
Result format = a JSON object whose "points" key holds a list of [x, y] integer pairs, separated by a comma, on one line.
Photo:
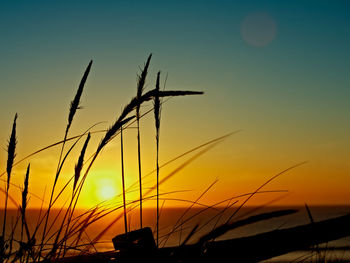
{"points": [[11, 154], [123, 178], [157, 114], [74, 106], [140, 88]]}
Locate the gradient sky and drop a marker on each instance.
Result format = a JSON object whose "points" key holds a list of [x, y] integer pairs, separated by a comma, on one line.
{"points": [[278, 70]]}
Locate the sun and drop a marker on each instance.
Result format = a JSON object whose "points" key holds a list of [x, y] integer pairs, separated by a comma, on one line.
{"points": [[102, 186], [107, 192], [105, 189]]}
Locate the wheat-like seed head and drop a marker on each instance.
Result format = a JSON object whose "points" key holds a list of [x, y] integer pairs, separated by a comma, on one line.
{"points": [[157, 104], [25, 192], [74, 105], [141, 83], [11, 151], [79, 165]]}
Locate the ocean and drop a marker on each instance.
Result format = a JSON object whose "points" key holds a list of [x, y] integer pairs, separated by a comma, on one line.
{"points": [[181, 221]]}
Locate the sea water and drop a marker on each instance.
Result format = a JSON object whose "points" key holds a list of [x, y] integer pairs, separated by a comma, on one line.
{"points": [[180, 222]]}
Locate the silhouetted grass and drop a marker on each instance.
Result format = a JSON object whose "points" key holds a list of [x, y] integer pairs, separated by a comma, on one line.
{"points": [[157, 112], [74, 106], [140, 88], [54, 238], [54, 244], [123, 178], [10, 159]]}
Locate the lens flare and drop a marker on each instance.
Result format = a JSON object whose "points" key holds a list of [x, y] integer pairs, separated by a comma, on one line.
{"points": [[258, 29]]}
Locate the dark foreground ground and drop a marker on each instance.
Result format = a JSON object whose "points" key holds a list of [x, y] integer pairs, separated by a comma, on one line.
{"points": [[253, 248]]}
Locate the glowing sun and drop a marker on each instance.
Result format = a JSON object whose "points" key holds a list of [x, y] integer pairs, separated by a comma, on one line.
{"points": [[105, 189]]}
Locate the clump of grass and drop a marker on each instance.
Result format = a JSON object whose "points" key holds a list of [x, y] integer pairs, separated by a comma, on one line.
{"points": [[68, 237], [55, 244]]}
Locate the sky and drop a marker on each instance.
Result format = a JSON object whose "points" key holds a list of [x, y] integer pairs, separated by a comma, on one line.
{"points": [[276, 70]]}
